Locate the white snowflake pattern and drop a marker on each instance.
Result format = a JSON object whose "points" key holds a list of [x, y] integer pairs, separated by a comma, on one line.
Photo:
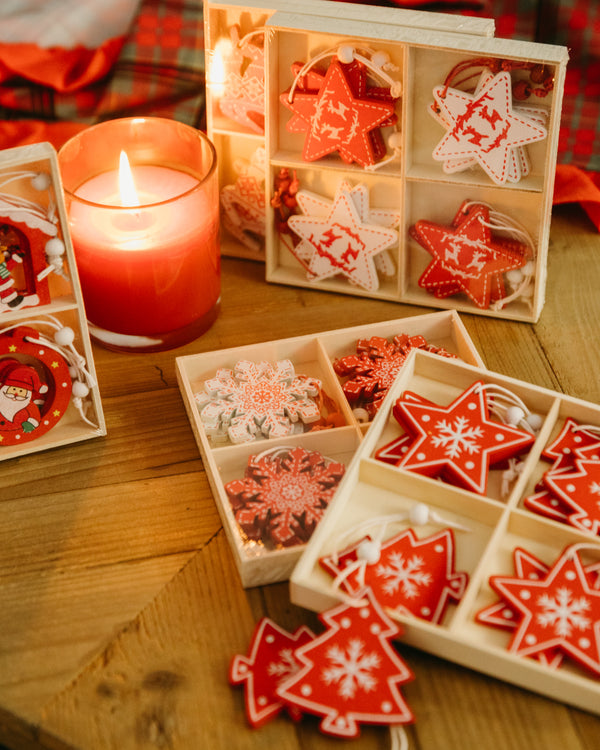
{"points": [[564, 612], [403, 573], [285, 667], [257, 399], [457, 437], [351, 669]]}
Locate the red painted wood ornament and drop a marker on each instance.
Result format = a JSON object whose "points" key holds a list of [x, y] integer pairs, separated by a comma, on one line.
{"points": [[350, 674], [283, 494], [557, 612], [243, 202], [269, 662], [35, 386]]}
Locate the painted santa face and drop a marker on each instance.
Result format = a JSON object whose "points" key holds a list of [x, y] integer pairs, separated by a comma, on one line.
{"points": [[11, 404], [19, 394]]}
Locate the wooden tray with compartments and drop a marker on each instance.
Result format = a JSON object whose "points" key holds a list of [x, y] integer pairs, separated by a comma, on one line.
{"points": [[313, 356], [491, 527], [265, 178], [46, 358]]}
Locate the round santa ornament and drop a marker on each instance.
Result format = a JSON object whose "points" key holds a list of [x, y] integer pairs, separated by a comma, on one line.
{"points": [[35, 386]]}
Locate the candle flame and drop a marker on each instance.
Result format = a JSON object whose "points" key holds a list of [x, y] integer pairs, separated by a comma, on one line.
{"points": [[127, 190], [218, 74]]}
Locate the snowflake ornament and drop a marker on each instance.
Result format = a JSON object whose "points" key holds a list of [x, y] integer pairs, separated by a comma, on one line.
{"points": [[410, 575], [342, 242], [350, 673], [269, 662], [372, 370], [458, 442], [257, 400], [557, 612], [284, 494]]}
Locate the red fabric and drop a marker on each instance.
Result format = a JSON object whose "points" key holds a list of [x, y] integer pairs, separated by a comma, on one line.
{"points": [[573, 185]]}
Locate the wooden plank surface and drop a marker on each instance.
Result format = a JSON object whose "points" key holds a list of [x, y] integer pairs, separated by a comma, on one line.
{"points": [[120, 607]]}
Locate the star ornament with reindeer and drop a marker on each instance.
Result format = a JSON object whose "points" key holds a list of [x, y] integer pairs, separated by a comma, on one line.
{"points": [[560, 611], [458, 442], [484, 126], [342, 242]]}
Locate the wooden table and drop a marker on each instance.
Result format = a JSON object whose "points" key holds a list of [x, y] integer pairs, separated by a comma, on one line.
{"points": [[120, 608]]}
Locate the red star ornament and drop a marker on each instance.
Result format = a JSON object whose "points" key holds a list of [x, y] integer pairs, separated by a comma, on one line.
{"points": [[484, 126], [350, 673], [458, 442], [342, 243], [412, 576], [339, 120], [467, 258], [558, 612], [270, 661], [579, 490]]}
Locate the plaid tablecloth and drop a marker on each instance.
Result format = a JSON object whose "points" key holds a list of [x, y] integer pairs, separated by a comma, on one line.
{"points": [[154, 65]]}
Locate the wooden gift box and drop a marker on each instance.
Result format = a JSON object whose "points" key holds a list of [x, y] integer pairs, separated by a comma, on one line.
{"points": [[311, 355], [38, 215], [497, 523]]}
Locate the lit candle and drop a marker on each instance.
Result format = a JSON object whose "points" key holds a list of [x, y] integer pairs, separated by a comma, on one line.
{"points": [[146, 245]]}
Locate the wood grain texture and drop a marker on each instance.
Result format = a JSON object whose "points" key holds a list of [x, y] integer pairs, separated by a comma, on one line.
{"points": [[120, 607]]}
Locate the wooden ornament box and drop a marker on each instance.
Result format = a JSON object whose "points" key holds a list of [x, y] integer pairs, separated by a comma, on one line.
{"points": [[60, 301], [311, 355], [496, 525], [414, 184]]}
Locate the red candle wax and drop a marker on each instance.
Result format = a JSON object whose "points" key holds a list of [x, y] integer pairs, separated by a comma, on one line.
{"points": [[150, 269]]}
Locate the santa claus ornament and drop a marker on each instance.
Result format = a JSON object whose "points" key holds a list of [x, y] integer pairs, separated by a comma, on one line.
{"points": [[484, 127], [39, 378], [343, 109], [30, 248]]}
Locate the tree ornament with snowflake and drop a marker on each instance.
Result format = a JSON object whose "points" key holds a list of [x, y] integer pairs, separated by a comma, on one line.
{"points": [[350, 674], [257, 400], [283, 495]]}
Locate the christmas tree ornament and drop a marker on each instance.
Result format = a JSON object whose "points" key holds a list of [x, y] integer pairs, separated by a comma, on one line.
{"points": [[238, 78], [484, 126], [30, 248], [349, 674], [258, 400], [269, 662], [471, 256], [407, 575], [579, 490], [338, 111], [342, 242], [373, 368], [283, 494], [243, 202], [556, 612], [39, 378], [459, 442]]}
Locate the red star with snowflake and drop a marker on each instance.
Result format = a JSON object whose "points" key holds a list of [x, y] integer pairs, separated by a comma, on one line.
{"points": [[458, 442], [560, 611], [350, 673], [269, 662], [467, 258], [484, 126], [412, 576], [284, 494], [339, 119]]}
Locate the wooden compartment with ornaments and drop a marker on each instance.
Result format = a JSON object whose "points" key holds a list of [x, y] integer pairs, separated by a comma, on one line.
{"points": [[277, 423], [235, 98], [471, 510], [48, 388]]}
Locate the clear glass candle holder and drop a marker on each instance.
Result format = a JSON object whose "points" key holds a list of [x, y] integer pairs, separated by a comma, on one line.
{"points": [[146, 238]]}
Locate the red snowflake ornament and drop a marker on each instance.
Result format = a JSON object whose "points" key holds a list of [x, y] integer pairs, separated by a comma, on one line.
{"points": [[350, 673], [412, 576], [467, 258], [340, 119], [269, 662], [484, 126], [372, 370], [284, 494], [458, 442], [557, 612]]}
